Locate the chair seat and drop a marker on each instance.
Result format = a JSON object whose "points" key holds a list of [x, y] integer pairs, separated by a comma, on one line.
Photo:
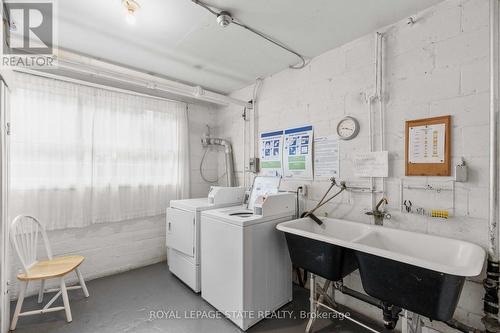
{"points": [[56, 267]]}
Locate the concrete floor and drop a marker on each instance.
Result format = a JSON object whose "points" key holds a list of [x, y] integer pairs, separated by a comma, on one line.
{"points": [[123, 303]]}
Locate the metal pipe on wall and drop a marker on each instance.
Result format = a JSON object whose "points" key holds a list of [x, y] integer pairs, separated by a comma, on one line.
{"points": [[255, 116], [228, 153], [380, 95], [491, 284], [377, 98], [244, 150], [79, 64], [229, 164], [493, 188], [370, 129]]}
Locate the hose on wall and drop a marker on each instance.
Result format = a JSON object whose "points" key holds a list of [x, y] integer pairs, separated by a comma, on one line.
{"points": [[228, 152], [201, 170]]}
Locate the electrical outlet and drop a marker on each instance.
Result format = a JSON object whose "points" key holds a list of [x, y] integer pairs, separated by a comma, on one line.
{"points": [[253, 164], [303, 190]]}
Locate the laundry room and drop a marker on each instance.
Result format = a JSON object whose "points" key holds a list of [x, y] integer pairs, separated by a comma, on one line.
{"points": [[250, 166]]}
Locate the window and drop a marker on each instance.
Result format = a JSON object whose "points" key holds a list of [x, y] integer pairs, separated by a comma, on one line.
{"points": [[82, 155]]}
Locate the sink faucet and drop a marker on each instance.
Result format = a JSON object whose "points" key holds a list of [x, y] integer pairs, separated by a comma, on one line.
{"points": [[378, 215]]}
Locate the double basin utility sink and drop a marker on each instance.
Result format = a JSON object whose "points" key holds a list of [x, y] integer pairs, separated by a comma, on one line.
{"points": [[414, 271]]}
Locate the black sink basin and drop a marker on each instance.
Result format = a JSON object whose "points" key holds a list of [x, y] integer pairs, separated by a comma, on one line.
{"points": [[432, 294], [418, 272], [326, 260]]}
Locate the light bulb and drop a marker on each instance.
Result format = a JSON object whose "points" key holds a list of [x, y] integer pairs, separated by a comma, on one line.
{"points": [[130, 17]]}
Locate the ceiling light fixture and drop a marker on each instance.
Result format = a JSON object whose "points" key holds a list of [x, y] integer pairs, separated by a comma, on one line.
{"points": [[224, 19], [131, 6]]}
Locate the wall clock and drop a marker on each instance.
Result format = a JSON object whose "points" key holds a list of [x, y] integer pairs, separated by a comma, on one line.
{"points": [[348, 128]]}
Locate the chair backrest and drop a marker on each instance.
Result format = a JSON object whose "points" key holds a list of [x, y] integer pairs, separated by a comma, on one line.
{"points": [[24, 233]]}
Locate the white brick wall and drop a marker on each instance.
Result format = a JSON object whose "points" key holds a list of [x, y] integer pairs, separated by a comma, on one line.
{"points": [[438, 66], [120, 246]]}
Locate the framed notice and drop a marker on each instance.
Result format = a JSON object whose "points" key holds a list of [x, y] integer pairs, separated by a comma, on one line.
{"points": [[428, 147]]}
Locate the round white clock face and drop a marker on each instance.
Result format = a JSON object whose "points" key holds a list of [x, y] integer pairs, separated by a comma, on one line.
{"points": [[348, 128]]}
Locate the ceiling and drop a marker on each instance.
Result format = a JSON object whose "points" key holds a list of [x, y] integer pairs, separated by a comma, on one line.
{"points": [[182, 41]]}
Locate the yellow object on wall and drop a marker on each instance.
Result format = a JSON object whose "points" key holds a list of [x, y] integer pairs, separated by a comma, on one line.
{"points": [[440, 213]]}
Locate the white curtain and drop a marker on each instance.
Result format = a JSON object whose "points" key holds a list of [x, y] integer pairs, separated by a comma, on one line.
{"points": [[82, 155]]}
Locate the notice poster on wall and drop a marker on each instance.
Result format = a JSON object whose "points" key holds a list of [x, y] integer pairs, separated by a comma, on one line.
{"points": [[326, 157], [427, 143], [271, 153], [297, 153], [371, 164]]}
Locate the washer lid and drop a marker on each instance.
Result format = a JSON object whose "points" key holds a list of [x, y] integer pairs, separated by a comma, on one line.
{"points": [[197, 204], [241, 216]]}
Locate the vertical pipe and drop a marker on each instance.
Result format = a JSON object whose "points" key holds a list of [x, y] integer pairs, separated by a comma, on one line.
{"points": [[245, 114], [401, 195], [228, 153], [377, 97], [493, 188], [380, 96], [254, 150], [229, 165], [370, 122], [491, 282]]}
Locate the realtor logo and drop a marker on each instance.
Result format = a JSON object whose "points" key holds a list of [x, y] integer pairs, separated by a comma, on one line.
{"points": [[29, 34]]}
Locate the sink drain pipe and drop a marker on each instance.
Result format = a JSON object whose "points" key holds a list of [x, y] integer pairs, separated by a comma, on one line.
{"points": [[390, 312], [491, 284], [356, 294]]}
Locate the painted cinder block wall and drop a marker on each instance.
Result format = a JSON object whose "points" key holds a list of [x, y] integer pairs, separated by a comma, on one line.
{"points": [[110, 248], [437, 66]]}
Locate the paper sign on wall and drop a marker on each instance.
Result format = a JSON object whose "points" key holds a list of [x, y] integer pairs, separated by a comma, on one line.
{"points": [[373, 164], [326, 157], [271, 153], [297, 154], [427, 144]]}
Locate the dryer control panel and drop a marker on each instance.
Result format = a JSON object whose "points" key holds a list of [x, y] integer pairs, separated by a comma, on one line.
{"points": [[273, 204]]}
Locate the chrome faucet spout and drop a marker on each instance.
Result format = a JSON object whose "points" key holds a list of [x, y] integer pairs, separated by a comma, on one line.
{"points": [[383, 200], [378, 215]]}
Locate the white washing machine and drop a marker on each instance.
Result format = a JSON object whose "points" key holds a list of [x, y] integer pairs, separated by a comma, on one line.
{"points": [[246, 271], [183, 231]]}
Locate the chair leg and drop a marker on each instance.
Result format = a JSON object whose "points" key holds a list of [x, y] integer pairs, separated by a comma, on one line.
{"points": [[20, 299], [82, 282], [40, 292], [65, 298]]}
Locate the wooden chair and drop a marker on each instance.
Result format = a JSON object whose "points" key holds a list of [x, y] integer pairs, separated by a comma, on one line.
{"points": [[24, 234]]}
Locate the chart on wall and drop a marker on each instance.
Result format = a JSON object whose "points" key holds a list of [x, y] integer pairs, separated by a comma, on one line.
{"points": [[297, 153], [326, 157], [271, 153], [426, 144]]}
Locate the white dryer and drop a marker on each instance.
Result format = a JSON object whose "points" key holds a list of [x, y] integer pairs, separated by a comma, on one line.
{"points": [[246, 270], [183, 231]]}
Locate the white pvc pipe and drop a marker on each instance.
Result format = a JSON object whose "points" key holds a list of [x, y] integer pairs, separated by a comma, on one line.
{"points": [[87, 83], [370, 143], [100, 69], [494, 86], [151, 82], [380, 96], [371, 100], [244, 147]]}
